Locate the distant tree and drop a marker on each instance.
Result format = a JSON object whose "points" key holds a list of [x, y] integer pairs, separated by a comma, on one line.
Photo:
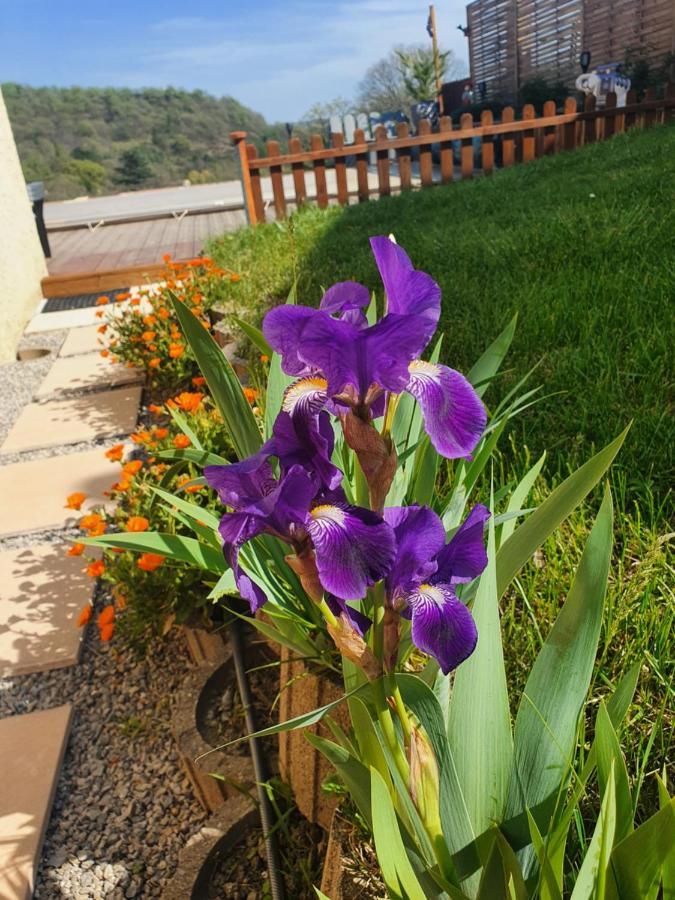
{"points": [[384, 87], [90, 174], [418, 71], [321, 112], [134, 167], [643, 72]]}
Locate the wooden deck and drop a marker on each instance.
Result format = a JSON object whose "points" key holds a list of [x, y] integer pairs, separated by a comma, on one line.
{"points": [[135, 244]]}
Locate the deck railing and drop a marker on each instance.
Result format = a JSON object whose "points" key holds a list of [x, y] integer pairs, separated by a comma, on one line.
{"points": [[518, 140]]}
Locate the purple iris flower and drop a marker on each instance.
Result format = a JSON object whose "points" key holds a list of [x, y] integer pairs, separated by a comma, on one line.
{"points": [[350, 547], [421, 582], [357, 364]]}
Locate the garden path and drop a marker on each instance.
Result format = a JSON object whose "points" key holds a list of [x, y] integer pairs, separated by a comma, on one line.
{"points": [[62, 411]]}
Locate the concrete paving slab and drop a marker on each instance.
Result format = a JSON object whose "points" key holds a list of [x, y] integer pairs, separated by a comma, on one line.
{"points": [[58, 422], [81, 340], [89, 372], [42, 591], [77, 318], [32, 747], [34, 493]]}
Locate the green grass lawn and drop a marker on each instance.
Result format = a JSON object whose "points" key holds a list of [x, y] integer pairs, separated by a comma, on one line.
{"points": [[582, 247]]}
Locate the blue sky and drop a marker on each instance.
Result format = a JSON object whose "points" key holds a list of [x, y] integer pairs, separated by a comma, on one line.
{"points": [[276, 57]]}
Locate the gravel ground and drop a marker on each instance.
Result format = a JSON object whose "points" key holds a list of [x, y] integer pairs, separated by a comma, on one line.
{"points": [[123, 807]]}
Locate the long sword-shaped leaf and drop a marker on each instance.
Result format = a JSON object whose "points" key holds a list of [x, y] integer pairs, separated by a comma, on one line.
{"points": [[546, 723], [479, 723], [638, 860], [173, 546], [592, 878], [200, 457], [194, 510], [514, 553], [487, 366], [223, 383], [255, 335], [519, 496]]}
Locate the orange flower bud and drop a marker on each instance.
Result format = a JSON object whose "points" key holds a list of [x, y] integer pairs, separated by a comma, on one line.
{"points": [[137, 523], [75, 501], [84, 616], [148, 562], [76, 550]]}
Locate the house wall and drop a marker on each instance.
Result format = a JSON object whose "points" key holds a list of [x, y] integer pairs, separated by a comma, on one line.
{"points": [[22, 263]]}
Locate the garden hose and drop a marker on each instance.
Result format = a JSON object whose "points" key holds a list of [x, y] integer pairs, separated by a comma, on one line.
{"points": [[277, 886]]}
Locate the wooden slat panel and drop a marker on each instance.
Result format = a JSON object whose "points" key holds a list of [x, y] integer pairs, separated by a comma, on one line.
{"points": [[466, 122], [609, 123], [590, 124], [570, 128], [256, 190], [487, 146], [650, 114], [298, 170], [529, 148], [361, 167], [426, 162], [403, 158], [549, 140], [316, 143], [338, 140], [629, 117], [508, 144], [447, 162], [384, 186], [277, 177]]}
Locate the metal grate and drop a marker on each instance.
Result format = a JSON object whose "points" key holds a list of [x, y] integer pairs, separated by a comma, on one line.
{"points": [[79, 301]]}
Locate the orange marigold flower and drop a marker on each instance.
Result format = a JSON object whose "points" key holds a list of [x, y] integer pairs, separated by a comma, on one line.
{"points": [[95, 569], [99, 314], [176, 351], [186, 479], [141, 437], [251, 394], [76, 550], [166, 257], [93, 520], [122, 486], [181, 441], [155, 363], [120, 297], [163, 313], [115, 453], [135, 301], [189, 401], [106, 616], [235, 277], [148, 562], [152, 348], [161, 433], [102, 329], [101, 301], [161, 468], [75, 501], [148, 336], [198, 380], [155, 410], [106, 632], [84, 616], [149, 320], [137, 523], [264, 358], [134, 466], [105, 353]]}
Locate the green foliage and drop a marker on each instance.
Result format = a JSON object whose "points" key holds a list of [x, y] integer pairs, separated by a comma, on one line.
{"points": [[538, 90], [181, 133], [90, 174], [418, 71]]}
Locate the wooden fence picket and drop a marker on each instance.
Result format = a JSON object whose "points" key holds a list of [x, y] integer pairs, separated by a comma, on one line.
{"points": [[447, 161], [466, 153], [508, 142], [277, 178], [403, 158], [529, 144], [426, 160], [256, 189], [361, 167], [298, 170], [518, 140], [487, 147], [338, 141], [316, 143]]}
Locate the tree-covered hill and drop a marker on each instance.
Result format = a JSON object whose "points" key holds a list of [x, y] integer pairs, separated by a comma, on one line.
{"points": [[100, 140]]}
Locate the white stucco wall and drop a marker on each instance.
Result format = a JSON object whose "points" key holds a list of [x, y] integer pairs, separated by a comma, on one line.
{"points": [[22, 263]]}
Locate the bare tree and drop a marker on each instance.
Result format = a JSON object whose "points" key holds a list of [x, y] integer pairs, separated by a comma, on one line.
{"points": [[387, 85], [321, 112]]}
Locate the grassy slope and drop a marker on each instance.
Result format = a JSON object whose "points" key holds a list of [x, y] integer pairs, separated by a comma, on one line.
{"points": [[582, 246], [590, 277]]}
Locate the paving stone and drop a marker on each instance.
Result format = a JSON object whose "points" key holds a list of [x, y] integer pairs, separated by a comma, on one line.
{"points": [[56, 423], [75, 318], [41, 594], [31, 753], [89, 372], [81, 340], [34, 493]]}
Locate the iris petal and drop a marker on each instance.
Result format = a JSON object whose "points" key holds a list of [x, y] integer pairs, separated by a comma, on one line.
{"points": [[419, 537], [343, 296], [283, 328], [337, 606], [241, 484], [306, 441], [354, 548], [464, 557], [453, 413], [410, 292], [441, 625]]}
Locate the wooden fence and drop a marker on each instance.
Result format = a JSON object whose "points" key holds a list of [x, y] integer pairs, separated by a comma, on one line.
{"points": [[519, 140]]}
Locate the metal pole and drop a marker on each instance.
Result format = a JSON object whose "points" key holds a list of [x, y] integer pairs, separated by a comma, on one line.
{"points": [[437, 61]]}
